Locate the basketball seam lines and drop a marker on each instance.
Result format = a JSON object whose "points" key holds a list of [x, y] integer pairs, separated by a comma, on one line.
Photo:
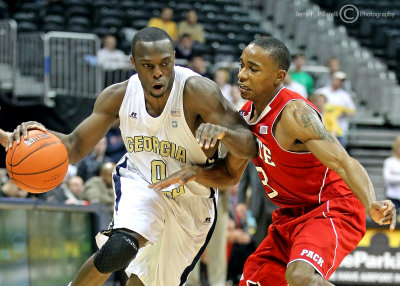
{"points": [[32, 187], [25, 174], [41, 147]]}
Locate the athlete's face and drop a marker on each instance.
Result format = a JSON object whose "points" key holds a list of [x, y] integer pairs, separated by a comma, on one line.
{"points": [[259, 75], [154, 63]]}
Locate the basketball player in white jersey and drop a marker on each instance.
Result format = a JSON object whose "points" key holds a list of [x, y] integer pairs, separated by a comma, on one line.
{"points": [[162, 110]]}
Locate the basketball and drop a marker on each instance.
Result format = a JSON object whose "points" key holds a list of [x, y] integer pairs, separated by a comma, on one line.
{"points": [[39, 163]]}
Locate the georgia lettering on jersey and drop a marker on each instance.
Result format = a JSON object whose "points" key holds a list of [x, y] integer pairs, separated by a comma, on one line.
{"points": [[153, 144]]}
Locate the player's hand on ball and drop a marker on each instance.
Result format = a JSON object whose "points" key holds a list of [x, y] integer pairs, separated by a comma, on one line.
{"points": [[181, 177], [383, 212], [22, 130], [208, 134]]}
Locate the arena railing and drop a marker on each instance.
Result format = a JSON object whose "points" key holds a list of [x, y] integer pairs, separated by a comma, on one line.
{"points": [[8, 53], [28, 76], [69, 66]]}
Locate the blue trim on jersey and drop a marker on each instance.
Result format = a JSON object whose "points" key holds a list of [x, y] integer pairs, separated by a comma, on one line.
{"points": [[117, 182], [188, 269], [212, 193]]}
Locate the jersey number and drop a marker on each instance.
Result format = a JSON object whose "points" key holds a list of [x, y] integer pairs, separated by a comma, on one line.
{"points": [[158, 173], [272, 194]]}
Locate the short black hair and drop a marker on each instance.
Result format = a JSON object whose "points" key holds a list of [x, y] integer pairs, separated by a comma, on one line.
{"points": [[276, 49], [149, 34]]}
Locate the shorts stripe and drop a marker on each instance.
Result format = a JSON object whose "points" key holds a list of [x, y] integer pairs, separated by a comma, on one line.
{"points": [[117, 182], [188, 269], [334, 258]]}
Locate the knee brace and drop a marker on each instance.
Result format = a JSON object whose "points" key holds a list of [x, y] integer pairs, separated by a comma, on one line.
{"points": [[119, 250]]}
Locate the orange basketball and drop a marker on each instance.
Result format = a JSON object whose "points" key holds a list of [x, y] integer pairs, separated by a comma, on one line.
{"points": [[39, 163]]}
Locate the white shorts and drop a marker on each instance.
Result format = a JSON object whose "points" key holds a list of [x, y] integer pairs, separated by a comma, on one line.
{"points": [[177, 230]]}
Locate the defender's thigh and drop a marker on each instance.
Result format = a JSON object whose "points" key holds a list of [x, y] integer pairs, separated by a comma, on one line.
{"points": [[324, 242]]}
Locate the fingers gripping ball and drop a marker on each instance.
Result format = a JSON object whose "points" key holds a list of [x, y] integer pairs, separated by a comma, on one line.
{"points": [[39, 163]]}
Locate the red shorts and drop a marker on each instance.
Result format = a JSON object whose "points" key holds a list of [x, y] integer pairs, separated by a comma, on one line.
{"points": [[320, 235]]}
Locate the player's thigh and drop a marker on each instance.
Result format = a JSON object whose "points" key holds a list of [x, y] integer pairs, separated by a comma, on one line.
{"points": [[188, 228], [138, 208], [323, 243]]}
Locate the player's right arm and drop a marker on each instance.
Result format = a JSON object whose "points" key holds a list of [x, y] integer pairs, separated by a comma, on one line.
{"points": [[225, 173], [86, 135]]}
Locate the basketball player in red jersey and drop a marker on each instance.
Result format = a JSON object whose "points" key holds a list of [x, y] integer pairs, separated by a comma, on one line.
{"points": [[323, 192]]}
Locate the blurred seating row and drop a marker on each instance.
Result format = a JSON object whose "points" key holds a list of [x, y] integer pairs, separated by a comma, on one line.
{"points": [[227, 25], [377, 27]]}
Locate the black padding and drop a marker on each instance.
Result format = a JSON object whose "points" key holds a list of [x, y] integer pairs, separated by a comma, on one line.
{"points": [[119, 250]]}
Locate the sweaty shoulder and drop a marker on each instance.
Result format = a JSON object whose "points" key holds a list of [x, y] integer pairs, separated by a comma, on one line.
{"points": [[296, 107], [201, 92], [199, 84], [110, 99]]}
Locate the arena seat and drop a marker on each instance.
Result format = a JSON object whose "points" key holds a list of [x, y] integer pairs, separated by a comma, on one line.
{"points": [[127, 4], [49, 27], [111, 23], [139, 24], [81, 11], [78, 24], [27, 27]]}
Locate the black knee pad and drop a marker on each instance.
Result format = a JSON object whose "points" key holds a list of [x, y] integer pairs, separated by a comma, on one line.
{"points": [[120, 249]]}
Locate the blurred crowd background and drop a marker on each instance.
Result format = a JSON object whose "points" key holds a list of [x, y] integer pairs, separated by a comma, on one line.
{"points": [[57, 55]]}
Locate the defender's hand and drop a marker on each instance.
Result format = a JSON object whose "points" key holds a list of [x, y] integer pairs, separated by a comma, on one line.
{"points": [[181, 177], [22, 131], [383, 212], [208, 134]]}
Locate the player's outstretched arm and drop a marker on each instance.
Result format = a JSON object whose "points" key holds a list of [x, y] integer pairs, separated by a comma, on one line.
{"points": [[301, 122], [224, 173], [86, 135], [221, 121]]}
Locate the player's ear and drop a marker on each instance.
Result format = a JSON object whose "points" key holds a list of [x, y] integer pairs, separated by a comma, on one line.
{"points": [[133, 62], [280, 75]]}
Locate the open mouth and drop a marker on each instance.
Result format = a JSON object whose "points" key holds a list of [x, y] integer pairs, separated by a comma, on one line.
{"points": [[158, 86], [243, 87]]}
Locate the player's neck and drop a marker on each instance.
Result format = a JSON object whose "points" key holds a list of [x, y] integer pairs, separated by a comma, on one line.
{"points": [[156, 105], [261, 103]]}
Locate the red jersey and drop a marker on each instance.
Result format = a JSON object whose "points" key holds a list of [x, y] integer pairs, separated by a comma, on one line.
{"points": [[290, 179]]}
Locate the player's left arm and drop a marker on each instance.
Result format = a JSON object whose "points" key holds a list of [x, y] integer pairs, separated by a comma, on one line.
{"points": [[4, 136], [221, 120], [302, 122]]}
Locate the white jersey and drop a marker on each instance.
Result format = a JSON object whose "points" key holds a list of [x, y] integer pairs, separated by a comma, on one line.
{"points": [[160, 146], [177, 223]]}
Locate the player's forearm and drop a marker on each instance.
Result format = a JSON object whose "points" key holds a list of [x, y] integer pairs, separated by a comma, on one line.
{"points": [[357, 179], [241, 143], [221, 174], [70, 142]]}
